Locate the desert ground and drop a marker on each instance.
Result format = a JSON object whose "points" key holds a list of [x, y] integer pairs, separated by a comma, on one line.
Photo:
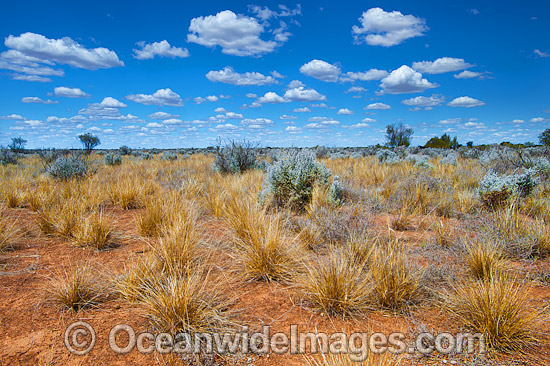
{"points": [[383, 241]]}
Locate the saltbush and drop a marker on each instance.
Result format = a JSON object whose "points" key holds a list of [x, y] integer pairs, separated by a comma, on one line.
{"points": [[289, 181], [235, 157], [67, 168], [387, 157], [336, 191], [494, 190], [113, 159], [7, 156], [169, 156]]}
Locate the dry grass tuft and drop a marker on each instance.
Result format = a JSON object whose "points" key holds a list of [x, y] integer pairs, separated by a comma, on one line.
{"points": [[395, 283], [94, 231], [186, 303], [485, 259], [336, 285], [330, 359], [78, 290], [127, 193], [8, 232], [499, 309]]}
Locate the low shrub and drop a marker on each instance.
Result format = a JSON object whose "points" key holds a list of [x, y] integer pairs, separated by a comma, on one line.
{"points": [[235, 157], [65, 168], [7, 156], [113, 159], [289, 182], [495, 190]]}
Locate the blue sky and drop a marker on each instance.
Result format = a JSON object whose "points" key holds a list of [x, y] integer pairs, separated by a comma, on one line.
{"points": [[182, 74]]}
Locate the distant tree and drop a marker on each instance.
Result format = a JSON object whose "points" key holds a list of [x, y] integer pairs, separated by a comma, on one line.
{"points": [[124, 150], [89, 141], [470, 144], [398, 135], [17, 144], [544, 137], [443, 142]]}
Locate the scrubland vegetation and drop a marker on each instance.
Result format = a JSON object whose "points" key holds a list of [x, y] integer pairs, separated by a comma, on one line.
{"points": [[437, 239]]}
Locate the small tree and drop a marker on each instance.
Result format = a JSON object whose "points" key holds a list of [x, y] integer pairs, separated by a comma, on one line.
{"points": [[89, 141], [544, 137], [235, 156], [17, 144], [398, 135]]}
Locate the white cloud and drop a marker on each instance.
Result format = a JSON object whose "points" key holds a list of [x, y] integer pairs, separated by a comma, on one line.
{"points": [[405, 80], [251, 95], [112, 103], [424, 102], [148, 51], [63, 51], [220, 110], [295, 84], [466, 102], [323, 122], [367, 120], [212, 98], [162, 115], [233, 115], [467, 74], [378, 106], [237, 35], [441, 65], [321, 70], [264, 13], [381, 28], [271, 97], [229, 76], [450, 121], [38, 100], [301, 110], [538, 120], [160, 97], [257, 123], [344, 111], [286, 117], [153, 125], [372, 74], [301, 94], [63, 91], [37, 78], [13, 116], [359, 125], [293, 129], [541, 54], [356, 89]]}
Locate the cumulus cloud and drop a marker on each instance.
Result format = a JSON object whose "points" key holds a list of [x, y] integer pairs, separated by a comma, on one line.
{"points": [[108, 108], [301, 110], [37, 78], [424, 102], [538, 120], [160, 97], [344, 111], [301, 94], [321, 70], [356, 89], [63, 91], [272, 97], [467, 74], [366, 120], [264, 13], [405, 80], [148, 51], [293, 129], [233, 115], [38, 100], [286, 117], [295, 84], [112, 103], [378, 106], [381, 28], [37, 49], [13, 116], [162, 115], [229, 76], [466, 102], [257, 123], [372, 74], [237, 35], [359, 125], [441, 65]]}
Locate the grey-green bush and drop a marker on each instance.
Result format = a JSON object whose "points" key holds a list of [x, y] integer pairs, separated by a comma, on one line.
{"points": [[67, 168], [113, 159], [289, 181]]}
